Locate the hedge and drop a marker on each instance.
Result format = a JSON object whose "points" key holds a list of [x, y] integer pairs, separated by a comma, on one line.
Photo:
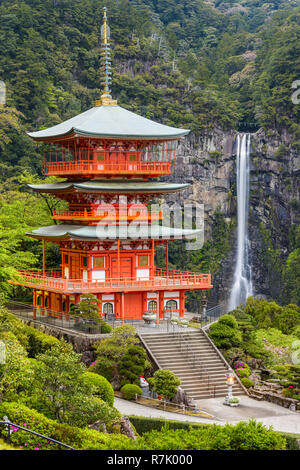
{"points": [[144, 424], [243, 436], [78, 438]]}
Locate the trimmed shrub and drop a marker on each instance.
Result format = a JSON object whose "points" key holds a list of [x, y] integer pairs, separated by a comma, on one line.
{"points": [[81, 439], [144, 424], [247, 382], [132, 365], [129, 391], [106, 328], [166, 383], [101, 385], [225, 333]]}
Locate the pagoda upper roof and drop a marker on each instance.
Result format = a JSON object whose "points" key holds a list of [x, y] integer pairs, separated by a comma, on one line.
{"points": [[111, 232], [109, 122], [120, 187]]}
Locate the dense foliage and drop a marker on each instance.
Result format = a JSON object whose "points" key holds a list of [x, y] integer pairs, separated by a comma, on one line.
{"points": [[189, 64], [132, 365], [267, 341], [165, 383]]}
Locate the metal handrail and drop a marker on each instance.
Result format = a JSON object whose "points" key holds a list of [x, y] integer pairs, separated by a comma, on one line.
{"points": [[9, 424], [224, 360], [184, 347], [64, 320]]}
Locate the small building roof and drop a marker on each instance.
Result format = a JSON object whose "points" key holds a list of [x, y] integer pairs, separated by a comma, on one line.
{"points": [[111, 232], [109, 122], [120, 187]]}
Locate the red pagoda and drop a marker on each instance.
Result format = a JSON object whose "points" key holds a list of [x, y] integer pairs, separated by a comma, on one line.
{"points": [[107, 237]]}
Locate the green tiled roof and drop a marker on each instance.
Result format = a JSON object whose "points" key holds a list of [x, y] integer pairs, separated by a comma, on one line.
{"points": [[110, 187], [112, 232], [110, 121]]}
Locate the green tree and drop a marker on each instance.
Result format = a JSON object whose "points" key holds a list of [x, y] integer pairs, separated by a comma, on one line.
{"points": [[133, 365], [88, 307], [165, 383], [60, 386], [225, 332]]}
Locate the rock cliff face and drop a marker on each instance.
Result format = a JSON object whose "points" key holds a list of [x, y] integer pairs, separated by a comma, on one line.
{"points": [[208, 163]]}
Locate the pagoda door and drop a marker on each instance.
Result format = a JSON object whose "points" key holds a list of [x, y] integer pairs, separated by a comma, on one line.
{"points": [[75, 271], [125, 268]]}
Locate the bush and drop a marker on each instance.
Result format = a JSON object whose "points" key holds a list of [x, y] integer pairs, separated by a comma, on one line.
{"points": [[242, 369], [102, 387], [288, 319], [132, 365], [103, 367], [144, 424], [225, 333], [247, 382], [243, 436], [296, 332], [39, 342], [81, 439], [106, 328], [129, 391], [165, 383]]}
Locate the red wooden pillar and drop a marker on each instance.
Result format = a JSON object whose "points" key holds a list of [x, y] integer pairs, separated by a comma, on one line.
{"points": [[157, 308], [122, 307], [117, 309], [181, 304], [161, 304], [90, 267], [67, 307], [152, 260], [44, 270], [34, 303], [118, 261], [144, 303]]}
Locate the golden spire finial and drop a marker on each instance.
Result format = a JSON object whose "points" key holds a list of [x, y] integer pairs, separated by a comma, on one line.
{"points": [[106, 99]]}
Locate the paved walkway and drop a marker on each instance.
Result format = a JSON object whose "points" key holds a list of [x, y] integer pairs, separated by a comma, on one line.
{"points": [[267, 413]]}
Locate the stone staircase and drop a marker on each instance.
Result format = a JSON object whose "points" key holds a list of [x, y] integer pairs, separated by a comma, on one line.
{"points": [[193, 358]]}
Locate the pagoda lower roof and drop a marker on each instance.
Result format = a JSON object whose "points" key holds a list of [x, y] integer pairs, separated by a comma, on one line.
{"points": [[109, 122], [109, 187], [111, 232]]}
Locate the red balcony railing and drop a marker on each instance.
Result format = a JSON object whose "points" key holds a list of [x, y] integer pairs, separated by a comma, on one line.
{"points": [[110, 217], [86, 167], [161, 280]]}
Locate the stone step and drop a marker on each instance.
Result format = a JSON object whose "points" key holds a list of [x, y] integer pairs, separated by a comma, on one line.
{"points": [[169, 352]]}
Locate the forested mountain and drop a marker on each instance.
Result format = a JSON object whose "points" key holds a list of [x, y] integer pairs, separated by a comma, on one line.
{"points": [[190, 63], [203, 65]]}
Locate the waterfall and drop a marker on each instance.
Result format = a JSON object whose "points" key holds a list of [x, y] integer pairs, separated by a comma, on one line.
{"points": [[242, 282]]}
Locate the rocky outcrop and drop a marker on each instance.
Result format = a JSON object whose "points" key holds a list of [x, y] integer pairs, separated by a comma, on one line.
{"points": [[208, 163]]}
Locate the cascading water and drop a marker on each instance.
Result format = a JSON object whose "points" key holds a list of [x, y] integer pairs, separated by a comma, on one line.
{"points": [[242, 282]]}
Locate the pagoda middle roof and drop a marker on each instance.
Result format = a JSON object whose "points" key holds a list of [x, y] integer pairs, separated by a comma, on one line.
{"points": [[109, 122], [120, 187], [111, 232]]}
